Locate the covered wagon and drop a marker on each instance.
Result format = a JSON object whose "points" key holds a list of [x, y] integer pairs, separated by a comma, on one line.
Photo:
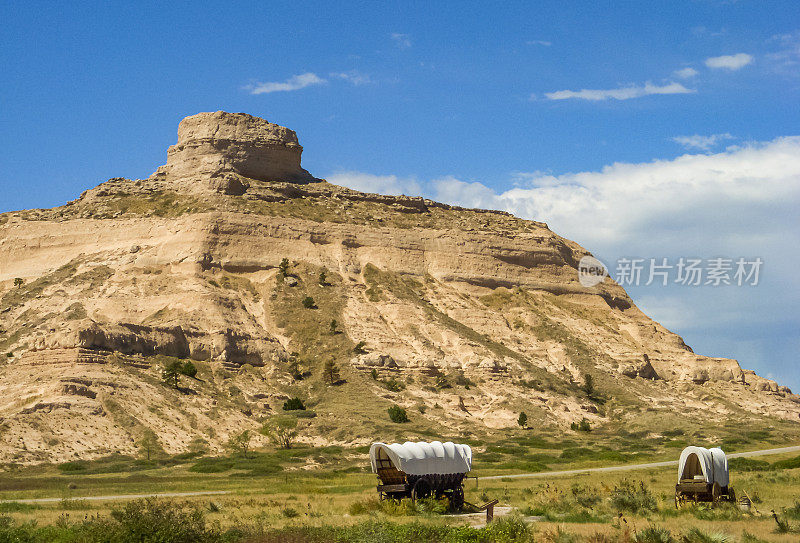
{"points": [[420, 469], [703, 477]]}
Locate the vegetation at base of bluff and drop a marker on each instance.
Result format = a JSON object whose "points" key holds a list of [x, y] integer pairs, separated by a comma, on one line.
{"points": [[161, 521], [154, 521]]}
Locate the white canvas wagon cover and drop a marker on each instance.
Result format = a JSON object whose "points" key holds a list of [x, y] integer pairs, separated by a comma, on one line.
{"points": [[701, 464], [422, 458]]}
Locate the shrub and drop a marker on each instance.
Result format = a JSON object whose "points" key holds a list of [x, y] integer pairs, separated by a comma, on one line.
{"points": [[748, 464], [283, 267], [152, 520], [398, 414], [789, 463], [522, 420], [442, 382], [793, 512], [632, 497], [460, 379], [393, 385], [188, 369], [281, 430], [73, 466], [289, 512], [294, 404], [212, 465], [308, 302], [295, 371], [240, 443], [360, 347], [654, 534], [323, 277], [783, 526], [582, 426], [585, 495], [696, 535]]}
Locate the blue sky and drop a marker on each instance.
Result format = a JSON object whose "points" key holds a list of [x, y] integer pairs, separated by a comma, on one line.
{"points": [[662, 132]]}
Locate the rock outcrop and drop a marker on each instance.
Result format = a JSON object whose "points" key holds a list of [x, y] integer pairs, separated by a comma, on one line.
{"points": [[222, 151], [214, 258]]}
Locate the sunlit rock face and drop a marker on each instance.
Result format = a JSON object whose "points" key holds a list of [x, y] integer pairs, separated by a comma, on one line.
{"points": [[216, 150]]}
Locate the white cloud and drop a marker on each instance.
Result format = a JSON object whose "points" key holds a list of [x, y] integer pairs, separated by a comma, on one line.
{"points": [[622, 93], [382, 184], [787, 58], [685, 73], [701, 142], [729, 62], [625, 202], [666, 204], [539, 42], [353, 76], [403, 41], [296, 82]]}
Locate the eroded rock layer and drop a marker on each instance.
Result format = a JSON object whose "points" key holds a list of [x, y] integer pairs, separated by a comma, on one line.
{"points": [[233, 257]]}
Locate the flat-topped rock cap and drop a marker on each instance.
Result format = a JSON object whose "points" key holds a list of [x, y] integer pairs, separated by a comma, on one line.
{"points": [[221, 125], [216, 147]]}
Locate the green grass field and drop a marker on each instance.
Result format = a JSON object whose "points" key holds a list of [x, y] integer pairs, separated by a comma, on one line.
{"points": [[270, 499]]}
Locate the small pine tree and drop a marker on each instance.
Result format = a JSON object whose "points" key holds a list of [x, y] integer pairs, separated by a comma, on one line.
{"points": [[18, 282], [308, 302], [334, 327], [588, 384], [374, 374], [398, 414], [171, 373], [522, 420], [330, 373], [323, 277], [283, 267]]}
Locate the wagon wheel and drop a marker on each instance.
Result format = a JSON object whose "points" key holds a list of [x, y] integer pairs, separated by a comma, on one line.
{"points": [[716, 493], [457, 499], [421, 489]]}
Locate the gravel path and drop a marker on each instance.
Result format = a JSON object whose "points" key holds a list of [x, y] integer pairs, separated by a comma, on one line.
{"points": [[627, 467]]}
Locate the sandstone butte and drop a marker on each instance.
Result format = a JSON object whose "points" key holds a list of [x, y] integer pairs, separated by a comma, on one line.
{"points": [[464, 317]]}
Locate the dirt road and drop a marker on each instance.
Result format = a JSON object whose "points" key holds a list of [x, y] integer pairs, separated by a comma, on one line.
{"points": [[627, 467]]}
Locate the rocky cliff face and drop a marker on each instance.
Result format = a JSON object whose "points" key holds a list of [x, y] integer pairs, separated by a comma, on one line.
{"points": [[218, 151], [472, 315]]}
